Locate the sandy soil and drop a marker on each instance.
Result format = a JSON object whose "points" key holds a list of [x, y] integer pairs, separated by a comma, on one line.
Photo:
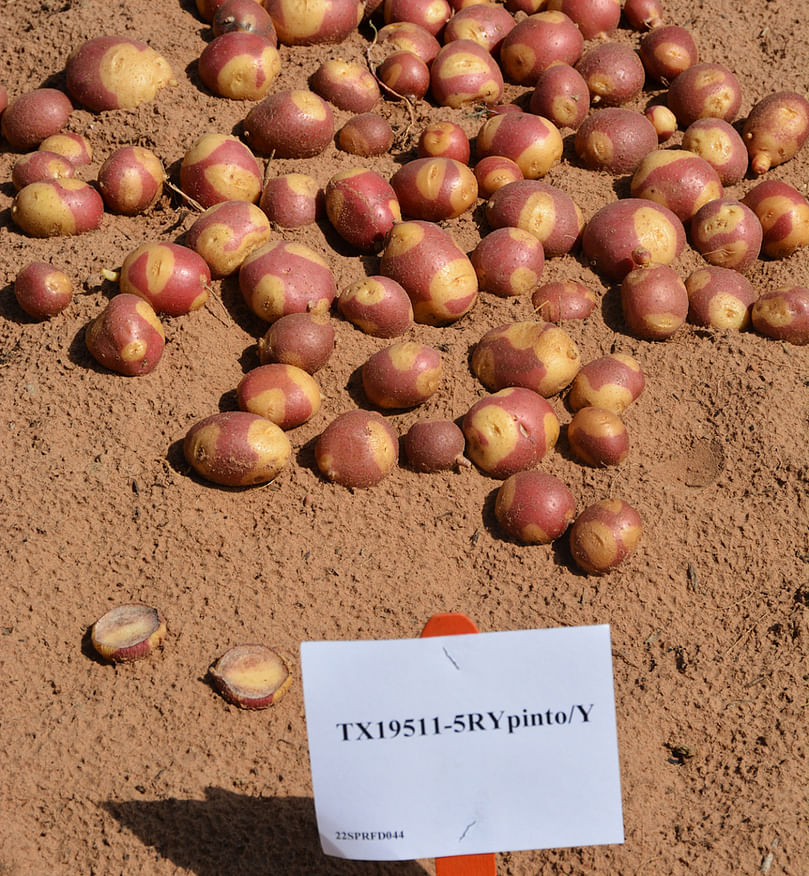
{"points": [[143, 768]]}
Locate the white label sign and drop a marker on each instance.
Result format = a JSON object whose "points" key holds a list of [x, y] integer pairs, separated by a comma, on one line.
{"points": [[464, 744]]}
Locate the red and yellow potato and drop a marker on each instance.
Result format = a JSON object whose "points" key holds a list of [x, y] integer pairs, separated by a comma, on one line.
{"points": [[784, 216], [643, 14], [403, 375], [172, 278], [720, 144], [225, 234], [444, 140], [537, 42], [783, 314], [508, 262], [407, 36], [464, 72], [366, 134], [74, 147], [290, 124], [434, 189], [667, 51], [32, 117], [604, 535], [131, 180], [597, 437], [705, 91], [561, 95], [346, 84], [612, 382], [432, 15], [292, 200], [677, 179], [362, 207], [357, 449], [247, 16], [534, 507], [719, 298], [378, 306], [316, 22], [305, 340], [613, 72], [727, 233], [219, 167], [239, 65], [284, 394], [484, 23], [532, 142], [55, 208], [776, 129], [404, 74], [654, 302], [563, 299], [42, 290], [38, 166], [435, 445], [495, 171], [615, 139], [126, 336]]}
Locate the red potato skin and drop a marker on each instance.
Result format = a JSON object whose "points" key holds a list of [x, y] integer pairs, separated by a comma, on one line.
{"points": [[604, 535], [654, 301], [247, 16], [402, 375], [784, 216], [562, 300], [484, 23], [283, 394], [597, 437], [172, 278], [126, 336], [435, 445], [508, 262], [615, 139], [444, 140], [305, 340], [532, 142], [436, 274], [362, 207], [613, 72], [33, 116], [404, 74], [727, 233], [705, 91], [357, 449], [434, 189], [612, 382], [74, 147], [3, 99], [208, 8], [594, 18], [377, 306], [621, 228], [667, 51], [407, 36], [346, 85], [131, 180], [432, 15], [783, 314], [494, 172], [776, 129], [42, 290], [239, 65], [115, 72], [225, 234], [537, 42], [643, 15], [366, 134], [509, 431], [463, 73], [217, 168], [54, 208], [561, 95], [541, 209], [38, 166], [534, 507], [326, 21], [236, 449], [284, 277], [108, 649], [720, 145], [677, 179], [538, 356], [719, 298], [290, 124], [292, 200]]}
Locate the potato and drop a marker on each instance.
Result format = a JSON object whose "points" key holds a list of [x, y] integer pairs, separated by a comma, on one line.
{"points": [[403, 375], [783, 314], [727, 233], [42, 290], [225, 234], [566, 299], [664, 122], [677, 179], [33, 116], [39, 166], [292, 200], [208, 8], [495, 171], [407, 36], [720, 145], [705, 91], [319, 22], [719, 298], [284, 277], [615, 139], [784, 216], [435, 445], [126, 336], [115, 72], [131, 180], [434, 271], [484, 23], [604, 535], [404, 74], [594, 18], [378, 306], [357, 449], [432, 15], [539, 208], [54, 208], [172, 278], [508, 262], [434, 189], [509, 431], [612, 382], [561, 95], [536, 355], [74, 147], [613, 73], [532, 142], [236, 449], [654, 302], [290, 124], [305, 340], [618, 233], [366, 134], [667, 51], [536, 43], [362, 207], [251, 676], [246, 16], [597, 437], [284, 394], [776, 129], [239, 65], [464, 73], [444, 140], [346, 84], [219, 167], [643, 14], [534, 507]]}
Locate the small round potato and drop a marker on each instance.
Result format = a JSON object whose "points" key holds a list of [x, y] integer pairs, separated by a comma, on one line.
{"points": [[532, 142], [463, 73], [236, 449], [654, 301], [667, 51], [33, 116], [538, 42], [594, 18], [561, 95], [615, 139], [126, 336], [219, 167], [643, 14], [74, 147], [290, 124], [434, 189], [42, 290], [357, 449], [563, 299], [444, 140], [362, 207], [407, 36], [727, 233], [346, 84], [225, 234], [613, 72], [484, 23], [784, 216], [597, 437], [705, 91], [612, 382], [292, 200], [378, 306], [404, 74], [720, 144], [604, 535], [494, 172], [239, 65], [285, 394], [783, 314], [247, 16], [39, 166], [366, 134], [131, 180], [719, 298], [55, 208], [435, 445], [534, 507], [403, 375], [432, 15], [663, 121], [172, 278], [508, 262], [305, 340], [677, 179], [318, 22]]}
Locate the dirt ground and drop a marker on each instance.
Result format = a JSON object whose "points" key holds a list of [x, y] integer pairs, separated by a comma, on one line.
{"points": [[143, 768]]}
